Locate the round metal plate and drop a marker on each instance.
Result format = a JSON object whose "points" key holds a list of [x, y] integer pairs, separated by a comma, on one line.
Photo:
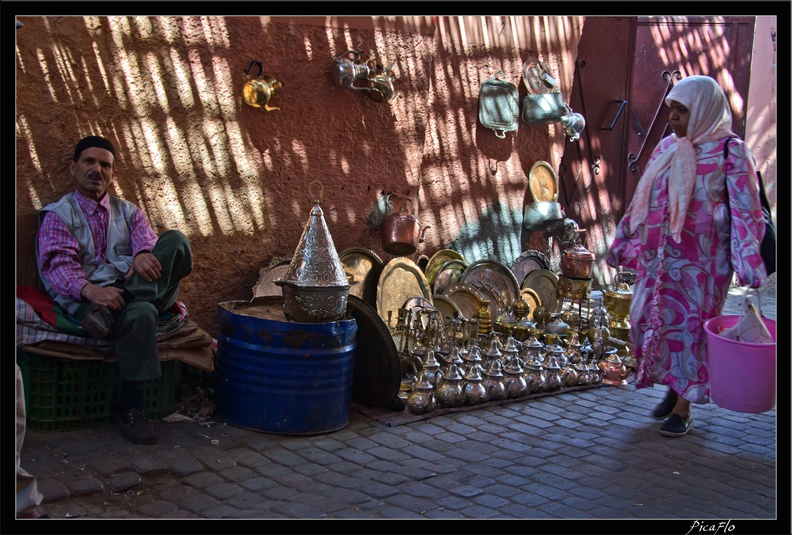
{"points": [[436, 262], [268, 275], [495, 279], [527, 262], [545, 283], [377, 366], [363, 266], [449, 273], [467, 298], [401, 279]]}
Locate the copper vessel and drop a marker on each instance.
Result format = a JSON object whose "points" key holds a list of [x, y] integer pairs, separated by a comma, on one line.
{"points": [[576, 262], [401, 232]]}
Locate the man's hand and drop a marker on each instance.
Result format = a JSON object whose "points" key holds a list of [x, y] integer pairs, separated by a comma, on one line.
{"points": [[108, 296], [146, 265]]}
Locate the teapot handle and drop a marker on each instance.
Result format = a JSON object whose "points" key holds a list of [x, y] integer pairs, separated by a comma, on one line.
{"points": [[353, 52], [260, 66]]}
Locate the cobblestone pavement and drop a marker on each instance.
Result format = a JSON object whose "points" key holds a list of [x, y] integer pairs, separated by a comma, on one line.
{"points": [[576, 456]]}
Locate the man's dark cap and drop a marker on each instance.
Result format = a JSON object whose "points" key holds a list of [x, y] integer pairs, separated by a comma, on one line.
{"points": [[93, 141]]}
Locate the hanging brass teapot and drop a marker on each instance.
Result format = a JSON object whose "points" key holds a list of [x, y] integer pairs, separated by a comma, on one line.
{"points": [[381, 85], [257, 91]]}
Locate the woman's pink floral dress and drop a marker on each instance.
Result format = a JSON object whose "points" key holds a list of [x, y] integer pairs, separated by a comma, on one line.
{"points": [[681, 285]]}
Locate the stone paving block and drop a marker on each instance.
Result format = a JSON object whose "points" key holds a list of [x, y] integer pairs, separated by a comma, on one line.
{"points": [[85, 485], [412, 503], [123, 481], [185, 465], [201, 480], [352, 455], [293, 479], [283, 457], [52, 490], [149, 464], [246, 457], [157, 509], [222, 510], [107, 466], [258, 483], [298, 510], [490, 501], [223, 491], [272, 470], [309, 469], [198, 503], [236, 474]]}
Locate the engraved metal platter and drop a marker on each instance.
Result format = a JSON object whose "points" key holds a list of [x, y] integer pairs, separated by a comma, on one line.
{"points": [[445, 306], [449, 273], [275, 270], [545, 283], [436, 262], [527, 262], [365, 267], [496, 279], [467, 298], [530, 296], [400, 280]]}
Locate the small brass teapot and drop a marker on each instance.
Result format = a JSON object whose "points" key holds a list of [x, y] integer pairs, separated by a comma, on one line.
{"points": [[494, 382], [449, 390], [257, 91], [381, 85]]}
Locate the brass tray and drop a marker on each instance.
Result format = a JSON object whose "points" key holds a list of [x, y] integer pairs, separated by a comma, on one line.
{"points": [[445, 306], [436, 262], [545, 283], [449, 273], [276, 270], [467, 298], [401, 279], [497, 280], [527, 262], [365, 267], [530, 296], [543, 182]]}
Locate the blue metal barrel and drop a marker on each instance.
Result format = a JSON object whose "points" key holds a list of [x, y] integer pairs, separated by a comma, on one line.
{"points": [[279, 376]]}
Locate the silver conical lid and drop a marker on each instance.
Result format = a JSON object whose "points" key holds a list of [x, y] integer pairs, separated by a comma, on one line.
{"points": [[316, 262]]}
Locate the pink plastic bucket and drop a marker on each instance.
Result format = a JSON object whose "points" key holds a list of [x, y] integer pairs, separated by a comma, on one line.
{"points": [[742, 374]]}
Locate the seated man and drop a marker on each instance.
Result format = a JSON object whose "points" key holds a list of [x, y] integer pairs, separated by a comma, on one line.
{"points": [[101, 261]]}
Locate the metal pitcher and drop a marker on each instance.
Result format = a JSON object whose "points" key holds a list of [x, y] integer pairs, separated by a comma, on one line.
{"points": [[401, 232], [348, 69]]}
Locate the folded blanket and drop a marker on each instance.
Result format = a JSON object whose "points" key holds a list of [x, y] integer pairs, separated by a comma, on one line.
{"points": [[38, 318]]}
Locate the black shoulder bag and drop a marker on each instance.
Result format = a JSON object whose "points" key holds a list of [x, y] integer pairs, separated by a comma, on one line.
{"points": [[768, 247]]}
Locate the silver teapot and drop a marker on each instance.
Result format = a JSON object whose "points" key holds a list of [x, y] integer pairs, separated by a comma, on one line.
{"points": [[516, 385], [473, 386], [422, 398], [348, 69], [494, 382], [449, 390]]}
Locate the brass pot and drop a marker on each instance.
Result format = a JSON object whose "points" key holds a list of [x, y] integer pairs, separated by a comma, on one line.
{"points": [[617, 301]]}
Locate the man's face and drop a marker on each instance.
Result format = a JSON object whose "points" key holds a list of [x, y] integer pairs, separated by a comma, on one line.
{"points": [[93, 172]]}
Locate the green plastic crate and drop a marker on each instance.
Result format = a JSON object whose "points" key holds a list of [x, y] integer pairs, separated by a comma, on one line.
{"points": [[64, 394]]}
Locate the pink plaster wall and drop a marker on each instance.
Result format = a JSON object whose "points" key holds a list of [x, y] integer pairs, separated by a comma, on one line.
{"points": [[194, 156]]}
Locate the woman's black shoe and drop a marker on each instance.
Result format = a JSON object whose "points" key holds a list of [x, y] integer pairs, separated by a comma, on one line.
{"points": [[663, 410]]}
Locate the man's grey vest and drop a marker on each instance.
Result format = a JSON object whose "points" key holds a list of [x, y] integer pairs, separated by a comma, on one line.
{"points": [[119, 244]]}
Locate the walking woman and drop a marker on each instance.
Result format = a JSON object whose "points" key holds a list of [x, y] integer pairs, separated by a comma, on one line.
{"points": [[695, 220]]}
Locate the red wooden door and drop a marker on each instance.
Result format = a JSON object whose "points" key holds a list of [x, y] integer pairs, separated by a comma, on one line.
{"points": [[625, 68]]}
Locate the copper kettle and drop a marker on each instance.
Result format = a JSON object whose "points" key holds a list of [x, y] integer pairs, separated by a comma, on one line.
{"points": [[401, 232]]}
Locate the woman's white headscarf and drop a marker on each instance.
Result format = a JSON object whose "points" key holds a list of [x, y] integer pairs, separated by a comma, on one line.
{"points": [[710, 119]]}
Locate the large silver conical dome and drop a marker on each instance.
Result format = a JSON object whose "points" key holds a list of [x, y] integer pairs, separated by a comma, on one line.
{"points": [[315, 285]]}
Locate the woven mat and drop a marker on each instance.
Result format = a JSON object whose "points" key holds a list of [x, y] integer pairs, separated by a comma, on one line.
{"points": [[393, 418]]}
